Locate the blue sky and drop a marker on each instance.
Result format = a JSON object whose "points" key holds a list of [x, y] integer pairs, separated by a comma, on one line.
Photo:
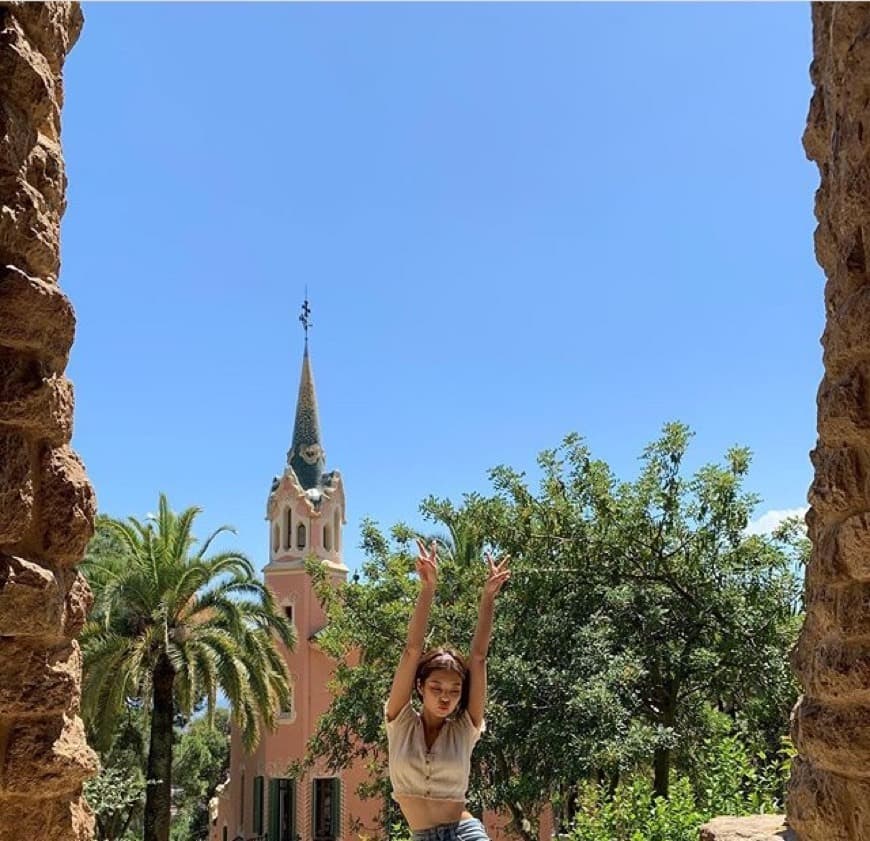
{"points": [[514, 221]]}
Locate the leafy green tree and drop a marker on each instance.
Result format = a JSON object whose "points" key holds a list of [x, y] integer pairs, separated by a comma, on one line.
{"points": [[117, 793], [173, 625], [697, 612], [115, 796], [201, 763], [706, 610]]}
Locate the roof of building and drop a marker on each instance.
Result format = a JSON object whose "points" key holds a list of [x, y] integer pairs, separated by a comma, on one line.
{"points": [[306, 455]]}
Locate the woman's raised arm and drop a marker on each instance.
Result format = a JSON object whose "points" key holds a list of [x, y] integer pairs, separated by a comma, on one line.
{"points": [[403, 680], [498, 575]]}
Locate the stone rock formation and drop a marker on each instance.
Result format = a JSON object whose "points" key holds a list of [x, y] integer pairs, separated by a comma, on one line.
{"points": [[47, 505], [829, 791], [755, 828]]}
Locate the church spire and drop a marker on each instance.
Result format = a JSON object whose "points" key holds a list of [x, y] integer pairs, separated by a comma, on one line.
{"points": [[306, 455]]}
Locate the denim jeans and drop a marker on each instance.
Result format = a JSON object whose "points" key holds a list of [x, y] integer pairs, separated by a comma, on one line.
{"points": [[470, 829]]}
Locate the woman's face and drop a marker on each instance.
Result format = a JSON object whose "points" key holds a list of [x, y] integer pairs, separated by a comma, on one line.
{"points": [[441, 692]]}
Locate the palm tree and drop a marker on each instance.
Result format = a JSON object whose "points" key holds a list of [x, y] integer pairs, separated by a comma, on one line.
{"points": [[465, 539], [171, 627]]}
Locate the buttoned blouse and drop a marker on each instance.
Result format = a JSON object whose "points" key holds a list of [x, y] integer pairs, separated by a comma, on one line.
{"points": [[437, 773]]}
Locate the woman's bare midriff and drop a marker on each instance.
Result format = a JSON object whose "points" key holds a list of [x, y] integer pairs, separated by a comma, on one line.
{"points": [[422, 813]]}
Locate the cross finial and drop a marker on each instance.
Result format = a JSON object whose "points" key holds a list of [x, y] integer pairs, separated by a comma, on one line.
{"points": [[305, 315]]}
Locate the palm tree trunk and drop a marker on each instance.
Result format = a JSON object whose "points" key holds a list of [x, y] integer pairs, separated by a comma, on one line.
{"points": [[159, 784]]}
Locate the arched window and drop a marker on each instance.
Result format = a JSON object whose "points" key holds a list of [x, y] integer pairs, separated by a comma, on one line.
{"points": [[336, 529], [287, 710], [300, 536], [288, 528], [327, 538], [276, 537]]}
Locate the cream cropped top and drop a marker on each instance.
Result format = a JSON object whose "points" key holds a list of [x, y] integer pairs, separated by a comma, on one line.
{"points": [[439, 773]]}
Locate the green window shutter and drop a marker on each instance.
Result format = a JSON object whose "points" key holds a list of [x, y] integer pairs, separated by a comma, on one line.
{"points": [[336, 807], [258, 806], [273, 810]]}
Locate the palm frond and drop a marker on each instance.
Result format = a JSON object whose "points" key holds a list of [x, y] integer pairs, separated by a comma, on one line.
{"points": [[210, 539]]}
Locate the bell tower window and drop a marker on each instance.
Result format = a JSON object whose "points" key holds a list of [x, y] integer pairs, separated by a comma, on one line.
{"points": [[300, 536], [276, 537], [288, 528], [327, 538], [287, 709]]}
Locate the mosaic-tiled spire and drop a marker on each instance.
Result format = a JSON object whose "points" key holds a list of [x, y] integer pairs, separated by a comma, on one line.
{"points": [[306, 455]]}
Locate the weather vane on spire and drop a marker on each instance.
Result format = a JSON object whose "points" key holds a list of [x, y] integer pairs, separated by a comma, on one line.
{"points": [[305, 315]]}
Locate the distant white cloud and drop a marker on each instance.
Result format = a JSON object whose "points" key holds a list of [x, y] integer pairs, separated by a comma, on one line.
{"points": [[768, 521]]}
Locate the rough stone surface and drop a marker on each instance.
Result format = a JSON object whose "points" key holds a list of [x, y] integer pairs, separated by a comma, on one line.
{"points": [[33, 45], [844, 403], [77, 604], [29, 399], [836, 736], [46, 503], [840, 486], [50, 819], [16, 486], [35, 317], [37, 601], [827, 805], [35, 679], [829, 791], [31, 603], [68, 506], [47, 755], [840, 670], [853, 609], [53, 603], [852, 547], [754, 828]]}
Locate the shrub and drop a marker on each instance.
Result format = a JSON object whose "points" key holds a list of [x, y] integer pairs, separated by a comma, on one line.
{"points": [[634, 814], [730, 781]]}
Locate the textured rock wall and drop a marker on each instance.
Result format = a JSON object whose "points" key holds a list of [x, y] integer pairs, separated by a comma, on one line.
{"points": [[46, 503], [829, 792], [753, 828]]}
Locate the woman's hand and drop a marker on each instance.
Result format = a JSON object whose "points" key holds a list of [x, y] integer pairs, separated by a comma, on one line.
{"points": [[427, 563], [498, 575]]}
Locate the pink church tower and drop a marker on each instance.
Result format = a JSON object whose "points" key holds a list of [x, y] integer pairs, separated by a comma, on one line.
{"points": [[306, 512]]}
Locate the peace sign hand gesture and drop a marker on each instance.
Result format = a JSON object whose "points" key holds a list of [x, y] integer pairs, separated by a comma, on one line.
{"points": [[498, 574], [427, 563]]}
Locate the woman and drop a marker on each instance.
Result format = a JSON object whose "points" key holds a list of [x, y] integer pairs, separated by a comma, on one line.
{"points": [[430, 751]]}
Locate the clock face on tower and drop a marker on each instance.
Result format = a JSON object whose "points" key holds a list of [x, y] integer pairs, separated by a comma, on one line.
{"points": [[311, 453]]}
